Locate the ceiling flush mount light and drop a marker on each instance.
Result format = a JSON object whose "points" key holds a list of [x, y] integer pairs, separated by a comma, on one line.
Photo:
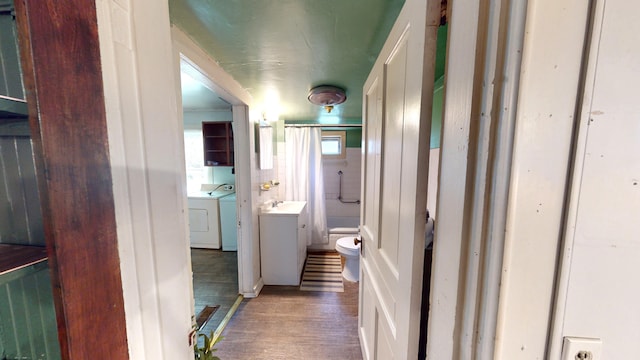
{"points": [[327, 96]]}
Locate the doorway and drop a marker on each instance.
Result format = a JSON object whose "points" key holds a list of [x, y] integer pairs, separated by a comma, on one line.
{"points": [[211, 202], [214, 260]]}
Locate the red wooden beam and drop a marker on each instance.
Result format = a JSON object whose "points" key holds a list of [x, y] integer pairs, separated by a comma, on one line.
{"points": [[63, 79]]}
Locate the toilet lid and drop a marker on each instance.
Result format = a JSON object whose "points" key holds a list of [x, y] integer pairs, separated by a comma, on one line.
{"points": [[347, 243]]}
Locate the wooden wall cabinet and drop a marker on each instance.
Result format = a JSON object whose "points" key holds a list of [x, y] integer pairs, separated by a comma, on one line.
{"points": [[218, 143]]}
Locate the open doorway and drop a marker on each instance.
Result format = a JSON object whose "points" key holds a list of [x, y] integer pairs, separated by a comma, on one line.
{"points": [[211, 198]]}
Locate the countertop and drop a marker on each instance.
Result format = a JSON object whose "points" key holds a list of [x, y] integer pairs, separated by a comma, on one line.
{"points": [[284, 208]]}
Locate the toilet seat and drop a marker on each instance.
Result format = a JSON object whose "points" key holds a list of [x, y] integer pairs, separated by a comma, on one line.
{"points": [[346, 246]]}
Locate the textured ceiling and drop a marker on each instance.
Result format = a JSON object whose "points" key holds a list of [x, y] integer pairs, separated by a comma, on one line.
{"points": [[278, 50]]}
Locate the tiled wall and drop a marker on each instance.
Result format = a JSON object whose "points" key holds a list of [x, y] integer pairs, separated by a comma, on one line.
{"points": [[351, 170]]}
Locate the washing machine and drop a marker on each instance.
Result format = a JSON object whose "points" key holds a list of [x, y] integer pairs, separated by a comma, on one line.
{"points": [[228, 222]]}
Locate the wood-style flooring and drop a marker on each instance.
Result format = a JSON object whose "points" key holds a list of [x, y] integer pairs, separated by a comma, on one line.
{"points": [[215, 282], [286, 323]]}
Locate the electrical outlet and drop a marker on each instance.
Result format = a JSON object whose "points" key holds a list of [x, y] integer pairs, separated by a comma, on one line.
{"points": [[584, 355], [578, 348]]}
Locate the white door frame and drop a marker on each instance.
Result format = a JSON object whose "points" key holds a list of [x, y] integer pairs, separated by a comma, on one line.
{"points": [[213, 76], [503, 172]]}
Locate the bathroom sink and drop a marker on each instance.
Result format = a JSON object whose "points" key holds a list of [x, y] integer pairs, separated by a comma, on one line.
{"points": [[285, 208]]}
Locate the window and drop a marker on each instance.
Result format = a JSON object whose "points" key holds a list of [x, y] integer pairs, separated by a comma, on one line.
{"points": [[333, 144], [197, 174]]}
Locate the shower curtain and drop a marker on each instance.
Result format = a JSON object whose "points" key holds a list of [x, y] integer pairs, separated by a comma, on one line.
{"points": [[304, 178]]}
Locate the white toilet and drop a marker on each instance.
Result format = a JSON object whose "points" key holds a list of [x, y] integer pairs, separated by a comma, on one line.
{"points": [[345, 246]]}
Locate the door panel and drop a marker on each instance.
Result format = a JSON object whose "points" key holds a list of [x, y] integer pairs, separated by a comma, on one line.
{"points": [[394, 74], [394, 186], [372, 150], [384, 347], [367, 317]]}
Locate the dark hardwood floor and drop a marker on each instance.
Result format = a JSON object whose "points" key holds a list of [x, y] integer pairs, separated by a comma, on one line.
{"points": [[286, 323], [215, 282]]}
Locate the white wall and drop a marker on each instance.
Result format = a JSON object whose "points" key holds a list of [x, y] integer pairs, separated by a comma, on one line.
{"points": [[552, 56], [193, 119], [602, 245], [432, 186]]}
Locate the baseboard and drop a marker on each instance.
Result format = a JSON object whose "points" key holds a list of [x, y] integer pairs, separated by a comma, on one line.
{"points": [[256, 290]]}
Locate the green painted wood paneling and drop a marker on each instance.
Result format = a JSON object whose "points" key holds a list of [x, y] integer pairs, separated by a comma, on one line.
{"points": [[10, 72], [436, 113], [438, 87], [441, 51], [20, 213], [28, 327], [354, 137]]}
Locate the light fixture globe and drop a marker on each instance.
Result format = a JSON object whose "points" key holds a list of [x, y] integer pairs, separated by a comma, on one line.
{"points": [[327, 96]]}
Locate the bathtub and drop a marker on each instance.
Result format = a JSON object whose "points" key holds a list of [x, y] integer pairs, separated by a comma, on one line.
{"points": [[341, 226], [337, 227]]}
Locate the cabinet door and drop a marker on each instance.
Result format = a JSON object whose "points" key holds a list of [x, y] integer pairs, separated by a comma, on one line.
{"points": [[302, 243]]}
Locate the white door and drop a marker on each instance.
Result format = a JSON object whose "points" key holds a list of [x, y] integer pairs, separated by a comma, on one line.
{"points": [[394, 185]]}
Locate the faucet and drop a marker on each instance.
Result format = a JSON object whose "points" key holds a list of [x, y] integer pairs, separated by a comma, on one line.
{"points": [[275, 203]]}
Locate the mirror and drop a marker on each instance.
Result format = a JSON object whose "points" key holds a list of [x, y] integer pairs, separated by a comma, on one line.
{"points": [[265, 145]]}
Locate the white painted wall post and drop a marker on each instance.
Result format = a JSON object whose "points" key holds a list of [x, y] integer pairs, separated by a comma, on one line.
{"points": [[146, 150]]}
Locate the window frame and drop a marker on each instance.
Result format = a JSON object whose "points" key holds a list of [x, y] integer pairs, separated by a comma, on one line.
{"points": [[341, 135]]}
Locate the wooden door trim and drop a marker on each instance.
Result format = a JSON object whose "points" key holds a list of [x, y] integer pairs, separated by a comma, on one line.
{"points": [[60, 54]]}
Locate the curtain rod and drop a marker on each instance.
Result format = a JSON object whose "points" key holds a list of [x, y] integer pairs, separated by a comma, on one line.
{"points": [[322, 125]]}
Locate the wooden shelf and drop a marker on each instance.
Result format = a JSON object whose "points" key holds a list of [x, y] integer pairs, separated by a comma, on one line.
{"points": [[11, 108], [16, 257], [218, 143]]}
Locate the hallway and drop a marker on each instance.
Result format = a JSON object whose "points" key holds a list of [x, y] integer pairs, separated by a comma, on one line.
{"points": [[215, 282], [286, 323]]}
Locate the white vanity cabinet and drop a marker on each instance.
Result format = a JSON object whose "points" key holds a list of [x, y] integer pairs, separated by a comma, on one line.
{"points": [[283, 243]]}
